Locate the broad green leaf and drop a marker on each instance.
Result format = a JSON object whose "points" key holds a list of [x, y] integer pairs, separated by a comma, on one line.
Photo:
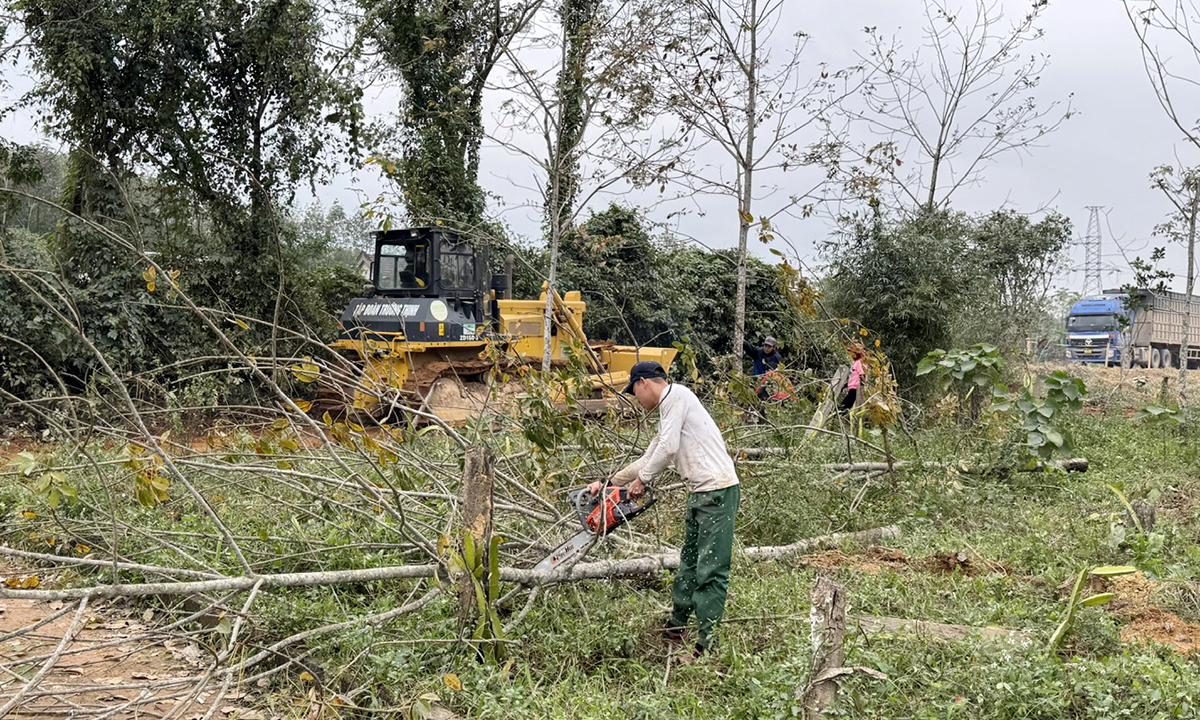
{"points": [[469, 550], [1098, 599], [1113, 570]]}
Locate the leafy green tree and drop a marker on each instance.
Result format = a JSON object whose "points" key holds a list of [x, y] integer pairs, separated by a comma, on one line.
{"points": [[642, 289], [617, 265], [905, 280], [227, 104], [1014, 261], [444, 54]]}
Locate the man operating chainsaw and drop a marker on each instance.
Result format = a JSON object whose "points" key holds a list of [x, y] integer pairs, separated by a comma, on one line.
{"points": [[688, 439]]}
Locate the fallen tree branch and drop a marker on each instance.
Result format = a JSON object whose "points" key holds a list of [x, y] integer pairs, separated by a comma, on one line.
{"points": [[626, 567], [654, 564], [244, 582], [1069, 465], [67, 638]]}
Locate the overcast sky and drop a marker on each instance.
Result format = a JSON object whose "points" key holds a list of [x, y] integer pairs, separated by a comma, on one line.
{"points": [[1101, 156]]}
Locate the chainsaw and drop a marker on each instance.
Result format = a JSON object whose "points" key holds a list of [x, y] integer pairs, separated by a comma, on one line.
{"points": [[599, 514]]}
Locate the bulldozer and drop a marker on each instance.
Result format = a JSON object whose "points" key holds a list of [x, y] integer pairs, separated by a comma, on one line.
{"points": [[435, 326]]}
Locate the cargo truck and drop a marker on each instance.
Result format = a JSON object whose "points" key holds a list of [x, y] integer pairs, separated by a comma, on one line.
{"points": [[1144, 327]]}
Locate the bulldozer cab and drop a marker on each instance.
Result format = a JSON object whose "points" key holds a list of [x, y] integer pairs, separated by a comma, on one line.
{"points": [[427, 262]]}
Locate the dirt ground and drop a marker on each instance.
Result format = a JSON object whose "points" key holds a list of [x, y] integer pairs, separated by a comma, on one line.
{"points": [[1115, 389], [116, 662], [1144, 621]]}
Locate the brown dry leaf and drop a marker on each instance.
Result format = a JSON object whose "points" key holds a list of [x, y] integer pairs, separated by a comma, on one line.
{"points": [[148, 615], [185, 651]]}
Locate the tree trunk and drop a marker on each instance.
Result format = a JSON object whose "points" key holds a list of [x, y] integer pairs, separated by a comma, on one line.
{"points": [[478, 476], [828, 619], [746, 191], [548, 313], [925, 629], [1187, 303]]}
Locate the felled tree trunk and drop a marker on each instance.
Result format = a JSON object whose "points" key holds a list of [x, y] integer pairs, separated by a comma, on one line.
{"points": [[650, 565], [1069, 465]]}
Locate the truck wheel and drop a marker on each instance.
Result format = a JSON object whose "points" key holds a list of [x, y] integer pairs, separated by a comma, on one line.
{"points": [[1155, 358], [1166, 358]]}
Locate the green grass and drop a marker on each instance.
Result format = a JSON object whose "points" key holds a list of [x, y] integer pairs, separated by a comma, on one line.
{"points": [[592, 651]]}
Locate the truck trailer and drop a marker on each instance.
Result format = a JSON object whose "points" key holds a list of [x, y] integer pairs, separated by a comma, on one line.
{"points": [[1143, 327]]}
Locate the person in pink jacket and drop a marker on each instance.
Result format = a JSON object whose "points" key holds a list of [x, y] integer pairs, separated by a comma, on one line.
{"points": [[857, 373]]}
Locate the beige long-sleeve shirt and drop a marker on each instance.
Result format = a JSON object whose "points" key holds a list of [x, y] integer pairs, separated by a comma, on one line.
{"points": [[689, 440]]}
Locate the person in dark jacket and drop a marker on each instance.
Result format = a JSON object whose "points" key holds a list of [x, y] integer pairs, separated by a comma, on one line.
{"points": [[765, 358]]}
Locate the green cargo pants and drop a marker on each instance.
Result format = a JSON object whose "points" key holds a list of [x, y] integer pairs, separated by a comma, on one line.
{"points": [[703, 577]]}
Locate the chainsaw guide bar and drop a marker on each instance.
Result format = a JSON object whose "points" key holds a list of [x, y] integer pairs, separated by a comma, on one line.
{"points": [[599, 514]]}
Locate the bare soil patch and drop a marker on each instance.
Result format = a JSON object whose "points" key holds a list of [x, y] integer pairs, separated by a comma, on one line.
{"points": [[116, 663], [1144, 620]]}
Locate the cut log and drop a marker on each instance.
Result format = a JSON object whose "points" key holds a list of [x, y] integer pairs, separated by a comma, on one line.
{"points": [[875, 625]]}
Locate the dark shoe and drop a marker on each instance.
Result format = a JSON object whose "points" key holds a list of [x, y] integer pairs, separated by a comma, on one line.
{"points": [[673, 635]]}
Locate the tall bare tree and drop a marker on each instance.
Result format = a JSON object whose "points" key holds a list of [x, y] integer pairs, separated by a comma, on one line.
{"points": [[731, 94], [1182, 188], [929, 121], [587, 116], [1171, 69]]}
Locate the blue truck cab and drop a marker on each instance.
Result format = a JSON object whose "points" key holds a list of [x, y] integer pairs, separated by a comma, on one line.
{"points": [[1097, 330]]}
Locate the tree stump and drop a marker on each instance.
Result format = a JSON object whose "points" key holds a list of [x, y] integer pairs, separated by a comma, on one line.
{"points": [[828, 618], [478, 478]]}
